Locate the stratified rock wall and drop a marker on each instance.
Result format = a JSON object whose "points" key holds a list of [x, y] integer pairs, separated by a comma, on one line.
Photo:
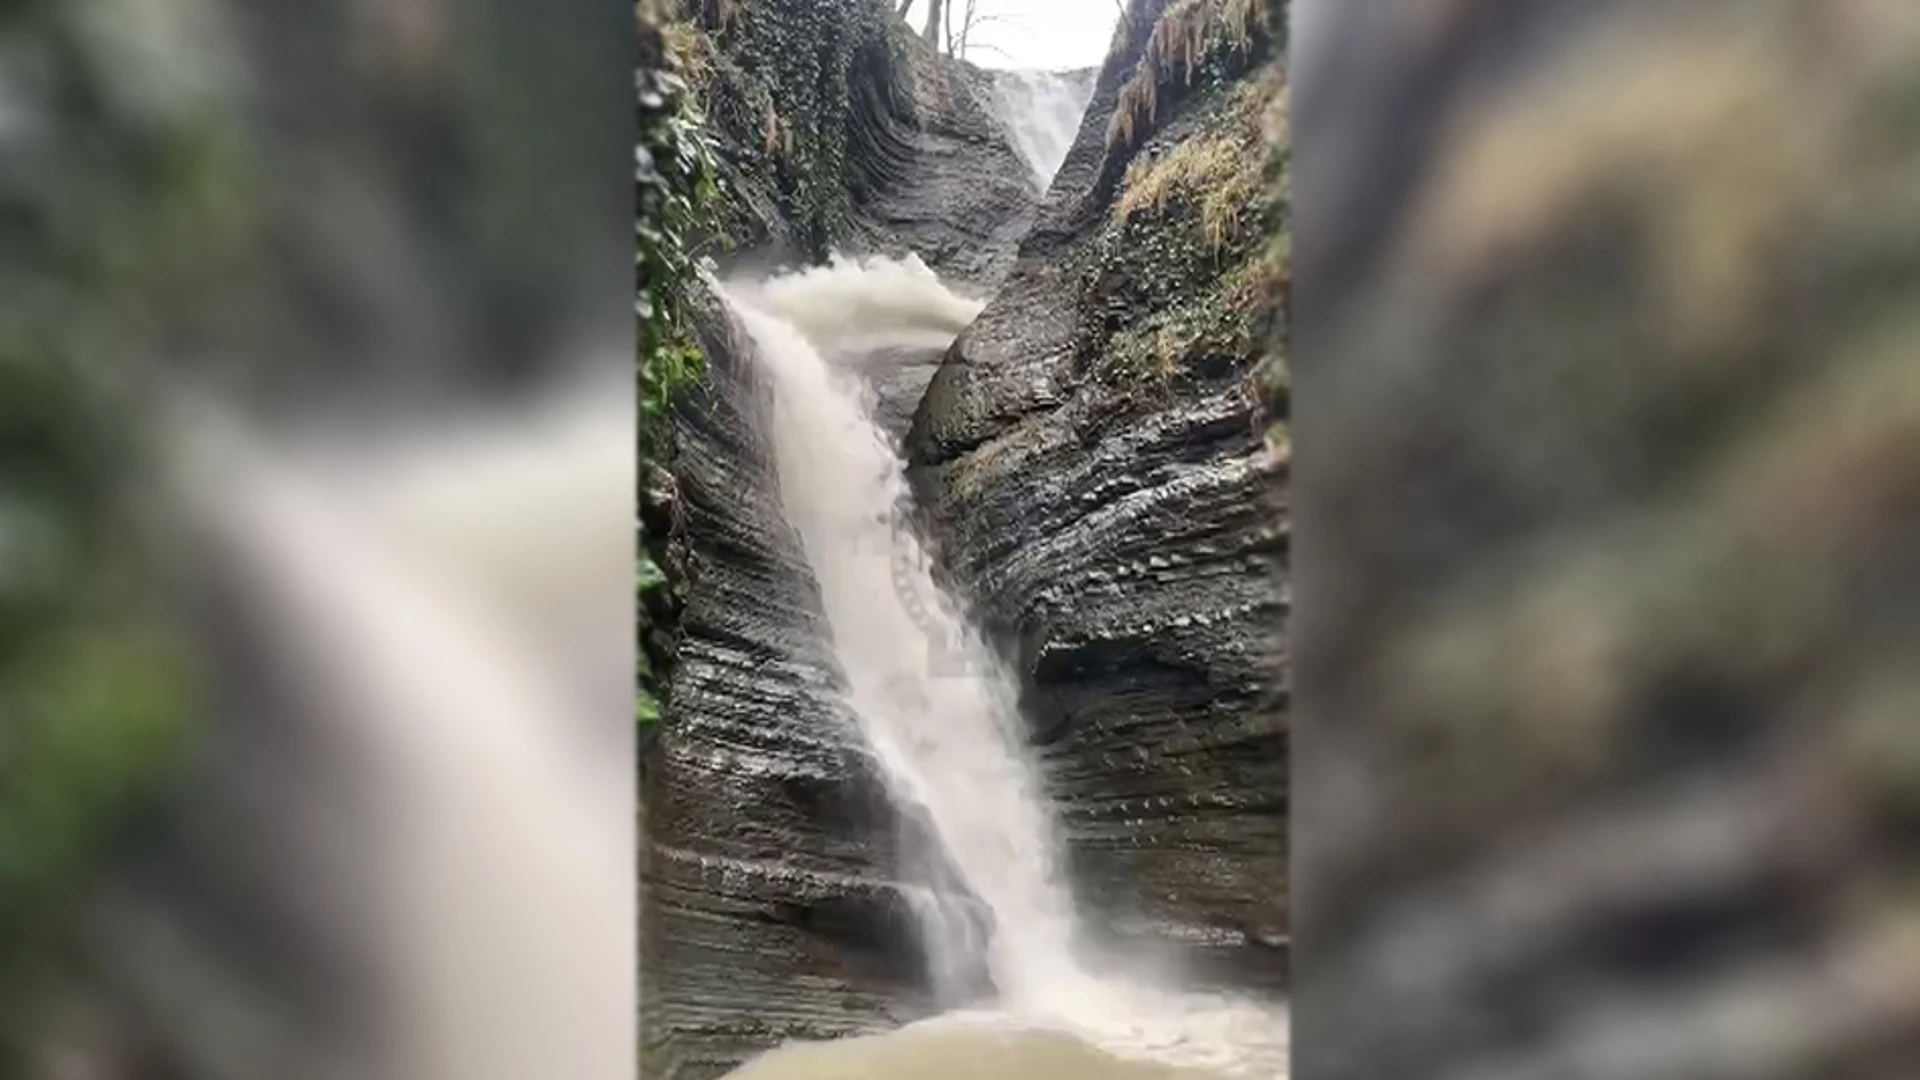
{"points": [[896, 150], [1093, 453], [766, 913], [955, 191], [769, 911], [1096, 454]]}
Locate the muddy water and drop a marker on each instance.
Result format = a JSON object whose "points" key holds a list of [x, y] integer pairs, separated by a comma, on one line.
{"points": [[957, 1050]]}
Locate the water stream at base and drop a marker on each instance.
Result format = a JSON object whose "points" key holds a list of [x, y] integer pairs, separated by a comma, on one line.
{"points": [[941, 715]]}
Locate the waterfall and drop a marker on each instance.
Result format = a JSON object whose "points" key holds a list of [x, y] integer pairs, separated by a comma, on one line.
{"points": [[1042, 112], [930, 699], [927, 695]]}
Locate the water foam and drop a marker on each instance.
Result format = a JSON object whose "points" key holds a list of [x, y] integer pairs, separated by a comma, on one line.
{"points": [[932, 700]]}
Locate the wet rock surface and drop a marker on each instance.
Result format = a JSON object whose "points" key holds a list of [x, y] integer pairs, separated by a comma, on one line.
{"points": [[929, 169], [767, 911], [932, 171], [935, 172], [1124, 534], [1118, 522], [771, 907], [937, 177], [895, 377]]}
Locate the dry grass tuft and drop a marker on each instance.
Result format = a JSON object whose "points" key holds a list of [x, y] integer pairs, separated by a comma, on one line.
{"points": [[1179, 38], [1221, 171], [1155, 354], [689, 55], [1260, 282], [775, 133], [1242, 17], [1169, 350], [1218, 170], [1187, 31], [1138, 100]]}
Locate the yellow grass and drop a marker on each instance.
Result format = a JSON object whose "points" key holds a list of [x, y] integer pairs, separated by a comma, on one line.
{"points": [[1221, 171], [1180, 40], [689, 53]]}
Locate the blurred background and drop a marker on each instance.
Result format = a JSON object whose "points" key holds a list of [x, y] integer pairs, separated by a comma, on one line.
{"points": [[316, 548], [316, 538], [1607, 464]]}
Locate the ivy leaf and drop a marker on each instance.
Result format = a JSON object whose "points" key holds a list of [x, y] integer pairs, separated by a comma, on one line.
{"points": [[649, 575]]}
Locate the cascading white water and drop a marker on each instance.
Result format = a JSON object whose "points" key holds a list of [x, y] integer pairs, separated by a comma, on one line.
{"points": [[923, 689], [930, 698], [1042, 112]]}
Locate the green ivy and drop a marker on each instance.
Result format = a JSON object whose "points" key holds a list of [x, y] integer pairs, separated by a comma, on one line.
{"points": [[648, 580], [676, 182], [798, 58], [791, 60], [675, 177]]}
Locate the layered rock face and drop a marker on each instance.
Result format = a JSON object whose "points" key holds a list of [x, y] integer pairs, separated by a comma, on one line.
{"points": [[769, 904], [916, 161], [937, 176], [934, 171], [1092, 454], [929, 169], [766, 909]]}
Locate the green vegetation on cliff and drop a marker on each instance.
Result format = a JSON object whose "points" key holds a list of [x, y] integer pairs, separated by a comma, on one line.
{"points": [[678, 187], [675, 179], [674, 175], [748, 128], [1200, 230], [779, 81]]}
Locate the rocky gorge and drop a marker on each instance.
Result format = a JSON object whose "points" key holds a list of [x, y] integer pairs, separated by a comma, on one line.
{"points": [[1097, 465]]}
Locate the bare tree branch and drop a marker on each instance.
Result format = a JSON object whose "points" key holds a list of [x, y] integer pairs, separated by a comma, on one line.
{"points": [[987, 46], [932, 33], [967, 23]]}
